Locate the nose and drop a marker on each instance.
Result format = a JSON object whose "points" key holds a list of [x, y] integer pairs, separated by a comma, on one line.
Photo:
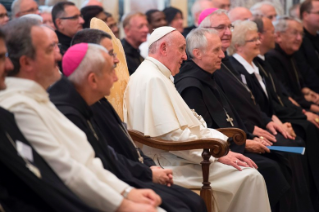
{"points": [[184, 57], [221, 54], [227, 31], [116, 60], [8, 66], [81, 21]]}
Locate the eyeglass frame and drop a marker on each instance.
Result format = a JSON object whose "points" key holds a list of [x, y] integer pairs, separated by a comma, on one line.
{"points": [[29, 10], [253, 40], [218, 28], [75, 17]]}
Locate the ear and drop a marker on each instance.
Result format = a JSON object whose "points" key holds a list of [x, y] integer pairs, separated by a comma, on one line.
{"points": [[278, 37], [304, 15], [163, 48], [92, 80], [197, 53], [261, 36], [127, 30], [25, 63]]}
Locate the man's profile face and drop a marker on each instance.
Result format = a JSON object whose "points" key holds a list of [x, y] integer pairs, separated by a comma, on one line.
{"points": [[74, 22], [137, 29], [213, 54], [291, 39], [221, 23], [158, 19], [313, 16], [176, 52], [268, 34], [108, 76], [44, 63], [4, 18], [221, 4], [269, 12], [28, 7], [5, 64], [113, 26], [107, 43]]}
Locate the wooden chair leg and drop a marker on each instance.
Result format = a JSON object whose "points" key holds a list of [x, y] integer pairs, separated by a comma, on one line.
{"points": [[206, 191]]}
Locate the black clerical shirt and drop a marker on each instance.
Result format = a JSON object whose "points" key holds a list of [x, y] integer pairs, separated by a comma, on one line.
{"points": [[133, 57]]}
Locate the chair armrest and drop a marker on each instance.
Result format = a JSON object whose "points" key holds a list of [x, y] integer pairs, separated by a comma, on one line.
{"points": [[234, 134], [218, 147]]}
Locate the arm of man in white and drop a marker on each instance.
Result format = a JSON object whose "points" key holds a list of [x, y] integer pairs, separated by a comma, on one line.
{"points": [[79, 170], [187, 134]]}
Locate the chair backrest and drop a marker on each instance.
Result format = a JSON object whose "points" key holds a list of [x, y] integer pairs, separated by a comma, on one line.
{"points": [[117, 92]]}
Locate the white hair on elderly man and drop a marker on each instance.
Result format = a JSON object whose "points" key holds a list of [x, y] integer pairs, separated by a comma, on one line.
{"points": [[239, 34], [92, 62], [281, 23], [196, 39], [207, 22]]}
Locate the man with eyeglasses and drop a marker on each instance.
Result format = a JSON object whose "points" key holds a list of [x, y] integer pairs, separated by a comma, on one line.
{"points": [[68, 21], [4, 18], [308, 54], [23, 7], [289, 35]]}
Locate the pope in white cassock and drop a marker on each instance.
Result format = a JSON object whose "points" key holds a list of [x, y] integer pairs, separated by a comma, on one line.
{"points": [[153, 106]]}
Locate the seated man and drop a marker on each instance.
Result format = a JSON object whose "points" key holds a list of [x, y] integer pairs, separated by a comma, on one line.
{"points": [[61, 144], [27, 183], [155, 108], [80, 93], [197, 86]]}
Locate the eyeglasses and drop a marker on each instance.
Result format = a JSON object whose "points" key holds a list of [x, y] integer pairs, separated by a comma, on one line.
{"points": [[32, 10], [295, 33], [223, 27], [317, 12], [2, 15], [112, 54], [254, 40], [75, 17]]}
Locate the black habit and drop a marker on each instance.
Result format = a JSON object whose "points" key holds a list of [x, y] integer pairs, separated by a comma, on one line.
{"points": [[133, 56], [298, 165], [175, 198], [21, 189], [115, 132], [200, 91], [307, 60], [287, 72], [65, 43]]}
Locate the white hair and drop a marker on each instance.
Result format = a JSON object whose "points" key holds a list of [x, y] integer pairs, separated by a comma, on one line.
{"points": [[33, 16], [281, 24], [207, 21], [239, 34], [45, 9], [15, 7], [255, 9], [93, 61], [197, 39]]}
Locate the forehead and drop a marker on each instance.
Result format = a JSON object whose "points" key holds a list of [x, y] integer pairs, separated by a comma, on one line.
{"points": [[220, 2], [27, 3], [106, 43], [2, 9], [220, 19], [315, 4], [294, 25], [71, 10], [213, 41], [137, 20], [157, 15], [52, 35], [40, 37], [251, 34], [268, 9], [178, 39]]}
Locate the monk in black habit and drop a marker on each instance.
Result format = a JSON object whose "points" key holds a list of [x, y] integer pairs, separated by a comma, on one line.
{"points": [[283, 60], [242, 61], [196, 85], [73, 98]]}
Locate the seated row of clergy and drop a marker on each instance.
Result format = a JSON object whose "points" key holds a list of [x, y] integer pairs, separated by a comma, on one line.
{"points": [[198, 90], [68, 151], [83, 168]]}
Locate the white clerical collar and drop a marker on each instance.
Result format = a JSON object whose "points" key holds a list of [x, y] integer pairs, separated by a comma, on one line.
{"points": [[250, 69], [261, 57], [160, 66]]}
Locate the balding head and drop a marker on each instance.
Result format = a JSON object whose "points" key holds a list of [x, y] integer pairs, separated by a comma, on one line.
{"points": [[221, 4], [264, 9], [198, 7], [239, 13], [24, 7]]}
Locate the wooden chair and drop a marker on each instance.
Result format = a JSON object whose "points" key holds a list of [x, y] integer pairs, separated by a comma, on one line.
{"points": [[211, 147]]}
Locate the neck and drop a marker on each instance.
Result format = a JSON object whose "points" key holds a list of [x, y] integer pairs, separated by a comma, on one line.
{"points": [[202, 66], [89, 97], [247, 58], [263, 50], [133, 43], [310, 29], [43, 83]]}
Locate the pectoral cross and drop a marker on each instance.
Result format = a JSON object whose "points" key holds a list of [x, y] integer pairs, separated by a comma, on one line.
{"points": [[229, 119]]}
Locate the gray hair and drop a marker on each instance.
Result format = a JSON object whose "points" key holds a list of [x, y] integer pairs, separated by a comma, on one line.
{"points": [[15, 7], [51, 3], [19, 41], [153, 48], [239, 34], [281, 23], [93, 61], [45, 9], [255, 9], [196, 39], [207, 21]]}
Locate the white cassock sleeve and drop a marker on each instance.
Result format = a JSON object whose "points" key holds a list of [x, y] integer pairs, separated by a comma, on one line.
{"points": [[194, 156], [85, 175]]}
